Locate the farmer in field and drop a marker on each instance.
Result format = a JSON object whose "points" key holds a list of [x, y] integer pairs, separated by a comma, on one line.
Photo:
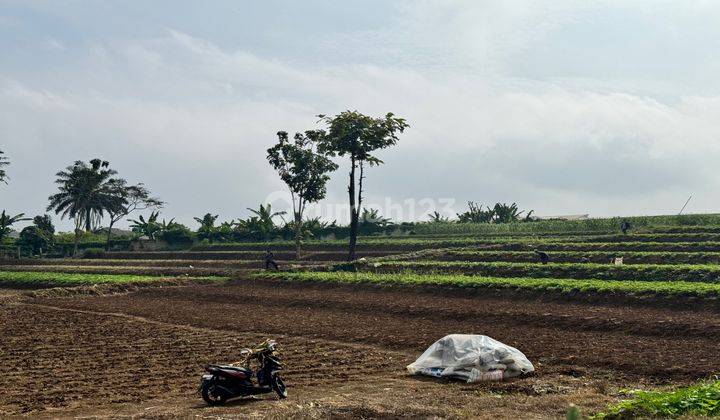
{"points": [[625, 226], [270, 260], [544, 258]]}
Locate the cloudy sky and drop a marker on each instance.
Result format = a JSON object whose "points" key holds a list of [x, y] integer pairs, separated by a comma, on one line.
{"points": [[607, 108]]}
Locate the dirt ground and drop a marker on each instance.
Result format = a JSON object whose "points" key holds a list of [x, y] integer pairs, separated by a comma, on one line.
{"points": [[141, 354]]}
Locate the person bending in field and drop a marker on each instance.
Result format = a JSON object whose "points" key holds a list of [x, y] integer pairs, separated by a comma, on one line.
{"points": [[625, 226], [270, 261], [544, 258]]}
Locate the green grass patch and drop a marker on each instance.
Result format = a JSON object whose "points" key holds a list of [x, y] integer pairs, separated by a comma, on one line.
{"points": [[26, 279], [697, 400], [671, 288]]}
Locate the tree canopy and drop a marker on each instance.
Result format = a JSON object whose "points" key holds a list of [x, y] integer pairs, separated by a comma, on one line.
{"points": [[358, 136], [303, 170], [3, 162]]}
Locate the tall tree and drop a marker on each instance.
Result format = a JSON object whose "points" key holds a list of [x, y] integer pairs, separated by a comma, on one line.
{"points": [[131, 198], [304, 171], [3, 162], [353, 134], [38, 237], [87, 192]]}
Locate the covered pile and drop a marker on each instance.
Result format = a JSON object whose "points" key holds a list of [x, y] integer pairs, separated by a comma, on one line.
{"points": [[473, 358]]}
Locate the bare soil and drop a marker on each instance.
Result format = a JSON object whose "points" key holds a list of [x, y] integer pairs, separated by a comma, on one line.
{"points": [[141, 353]]}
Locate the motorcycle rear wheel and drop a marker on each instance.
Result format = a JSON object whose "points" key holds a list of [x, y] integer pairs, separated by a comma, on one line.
{"points": [[212, 395], [278, 385]]}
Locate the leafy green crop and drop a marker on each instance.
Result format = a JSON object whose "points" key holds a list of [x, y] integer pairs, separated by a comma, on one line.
{"points": [[49, 279], [601, 257], [697, 400], [640, 272], [587, 225], [560, 285]]}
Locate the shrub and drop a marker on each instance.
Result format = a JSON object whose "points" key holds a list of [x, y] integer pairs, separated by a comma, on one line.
{"points": [[177, 234], [93, 253]]}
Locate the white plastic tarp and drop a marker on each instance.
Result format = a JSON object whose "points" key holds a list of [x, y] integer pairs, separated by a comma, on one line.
{"points": [[473, 358]]}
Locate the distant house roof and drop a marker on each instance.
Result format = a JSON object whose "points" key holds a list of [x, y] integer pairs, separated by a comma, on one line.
{"points": [[564, 217], [116, 231]]}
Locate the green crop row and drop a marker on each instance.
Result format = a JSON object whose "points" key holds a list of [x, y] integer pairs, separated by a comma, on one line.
{"points": [[598, 257], [409, 243], [701, 400], [587, 225], [672, 288], [333, 254], [53, 279], [639, 272], [605, 246], [645, 237]]}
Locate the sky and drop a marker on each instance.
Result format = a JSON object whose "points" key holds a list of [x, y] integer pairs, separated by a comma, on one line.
{"points": [[565, 107]]}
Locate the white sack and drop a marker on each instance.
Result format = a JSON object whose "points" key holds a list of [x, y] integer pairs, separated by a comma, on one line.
{"points": [[473, 358]]}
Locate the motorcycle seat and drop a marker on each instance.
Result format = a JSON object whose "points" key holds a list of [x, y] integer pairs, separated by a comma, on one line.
{"points": [[231, 368]]}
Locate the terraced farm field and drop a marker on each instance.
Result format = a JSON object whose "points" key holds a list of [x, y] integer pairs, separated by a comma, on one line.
{"points": [[127, 334]]}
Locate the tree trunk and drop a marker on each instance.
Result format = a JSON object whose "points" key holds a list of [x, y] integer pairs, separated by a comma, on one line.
{"points": [[77, 240], [88, 222], [353, 213], [109, 232], [298, 234]]}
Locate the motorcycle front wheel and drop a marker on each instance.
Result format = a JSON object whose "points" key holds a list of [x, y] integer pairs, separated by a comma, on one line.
{"points": [[279, 386], [212, 395]]}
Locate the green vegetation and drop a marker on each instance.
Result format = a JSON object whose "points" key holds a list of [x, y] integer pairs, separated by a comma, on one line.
{"points": [[598, 257], [639, 272], [6, 222], [304, 171], [672, 288], [697, 400], [500, 213], [86, 193], [130, 198], [647, 237], [358, 137], [48, 279], [3, 162], [639, 223], [546, 245]]}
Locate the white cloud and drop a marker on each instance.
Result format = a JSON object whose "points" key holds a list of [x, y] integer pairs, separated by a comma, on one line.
{"points": [[192, 120]]}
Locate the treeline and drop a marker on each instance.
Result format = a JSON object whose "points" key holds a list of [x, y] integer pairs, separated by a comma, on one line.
{"points": [[88, 193]]}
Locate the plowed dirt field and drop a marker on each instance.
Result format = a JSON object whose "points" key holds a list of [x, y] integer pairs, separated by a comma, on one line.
{"points": [[141, 353]]}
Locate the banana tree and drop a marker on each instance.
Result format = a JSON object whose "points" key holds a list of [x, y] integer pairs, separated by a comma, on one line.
{"points": [[207, 228], [262, 224], [508, 213], [6, 222], [149, 227]]}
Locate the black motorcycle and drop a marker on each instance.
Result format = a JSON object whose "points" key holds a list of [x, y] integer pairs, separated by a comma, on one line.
{"points": [[223, 382]]}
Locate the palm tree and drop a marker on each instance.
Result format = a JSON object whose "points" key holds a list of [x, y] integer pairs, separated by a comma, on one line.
{"points": [[3, 162], [207, 228], [87, 192], [6, 221]]}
